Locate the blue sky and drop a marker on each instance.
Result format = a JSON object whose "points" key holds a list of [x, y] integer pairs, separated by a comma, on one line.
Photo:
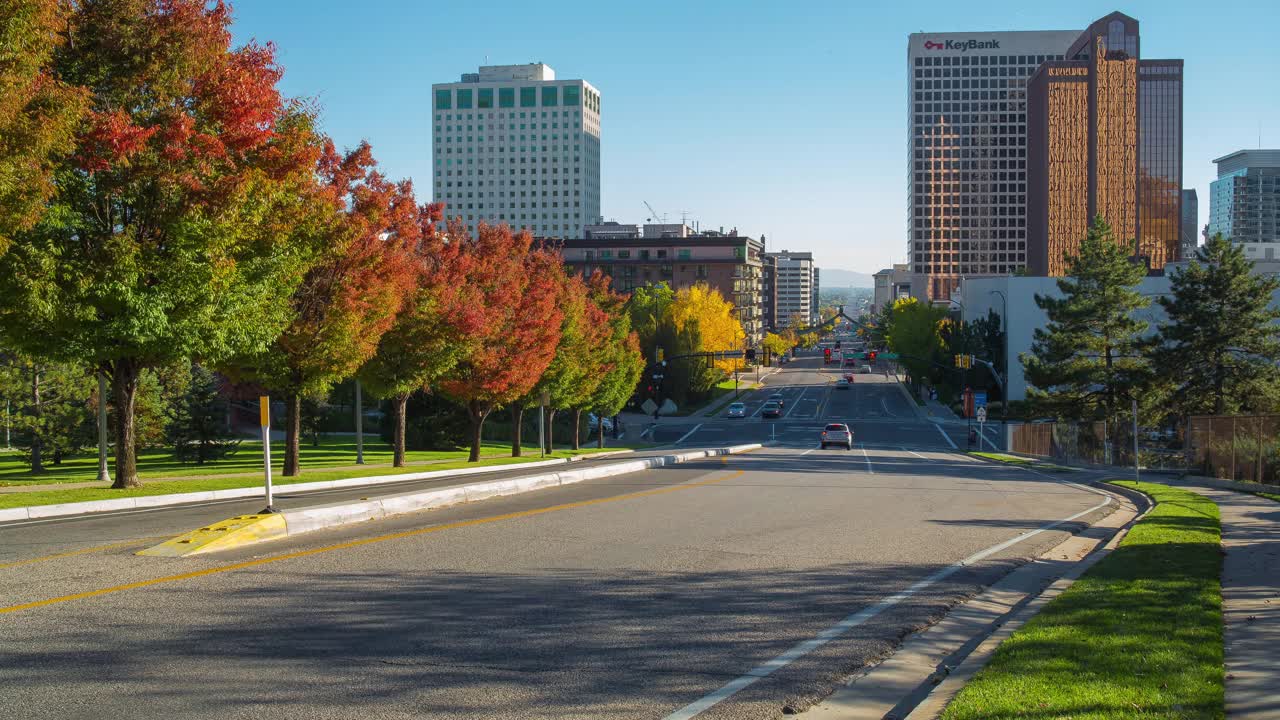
{"points": [[745, 114]]}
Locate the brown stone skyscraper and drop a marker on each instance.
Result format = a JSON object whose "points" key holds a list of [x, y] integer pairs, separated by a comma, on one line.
{"points": [[1104, 137]]}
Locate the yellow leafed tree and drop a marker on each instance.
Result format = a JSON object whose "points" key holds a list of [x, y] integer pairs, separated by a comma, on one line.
{"points": [[712, 315]]}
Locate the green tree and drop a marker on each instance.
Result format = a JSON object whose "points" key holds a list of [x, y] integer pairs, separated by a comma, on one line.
{"points": [[49, 406], [914, 334], [173, 232], [618, 363], [198, 428], [1086, 363], [776, 345], [1220, 346]]}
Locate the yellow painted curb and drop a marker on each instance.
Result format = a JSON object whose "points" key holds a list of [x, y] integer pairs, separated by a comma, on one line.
{"points": [[235, 532]]}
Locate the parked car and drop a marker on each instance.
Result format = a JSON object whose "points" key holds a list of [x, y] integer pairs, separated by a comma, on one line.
{"points": [[771, 410], [592, 421], [837, 434], [737, 410], [865, 370]]}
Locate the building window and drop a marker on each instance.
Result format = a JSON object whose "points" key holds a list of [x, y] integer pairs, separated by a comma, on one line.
{"points": [[550, 95], [572, 96], [606, 254], [464, 99], [739, 252], [683, 254], [624, 254], [528, 97], [444, 100], [484, 98], [589, 255], [506, 97]]}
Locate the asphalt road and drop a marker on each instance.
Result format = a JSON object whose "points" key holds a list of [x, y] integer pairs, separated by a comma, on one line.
{"points": [[628, 597]]}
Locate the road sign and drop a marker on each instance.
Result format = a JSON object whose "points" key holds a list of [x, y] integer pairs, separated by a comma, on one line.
{"points": [[649, 406], [982, 414], [980, 400]]}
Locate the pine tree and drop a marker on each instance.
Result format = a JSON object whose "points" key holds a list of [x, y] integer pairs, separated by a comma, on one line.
{"points": [[50, 408], [1220, 347], [1086, 363], [198, 423]]}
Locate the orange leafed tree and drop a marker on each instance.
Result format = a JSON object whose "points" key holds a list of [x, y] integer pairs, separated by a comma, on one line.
{"points": [[511, 291]]}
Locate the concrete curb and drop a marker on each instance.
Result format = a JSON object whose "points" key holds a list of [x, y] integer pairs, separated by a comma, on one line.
{"points": [[33, 512], [305, 520]]}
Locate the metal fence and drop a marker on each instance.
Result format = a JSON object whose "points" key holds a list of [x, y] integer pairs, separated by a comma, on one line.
{"points": [[1075, 442], [1237, 447]]}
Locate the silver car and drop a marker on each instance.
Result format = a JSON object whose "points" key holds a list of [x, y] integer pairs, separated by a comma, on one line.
{"points": [[837, 434], [737, 410]]}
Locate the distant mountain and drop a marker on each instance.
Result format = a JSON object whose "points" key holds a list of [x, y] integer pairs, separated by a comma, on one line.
{"points": [[832, 278]]}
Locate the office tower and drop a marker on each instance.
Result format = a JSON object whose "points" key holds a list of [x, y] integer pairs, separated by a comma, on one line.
{"points": [[1244, 202], [514, 145], [1190, 218], [1105, 138], [967, 165], [794, 289]]}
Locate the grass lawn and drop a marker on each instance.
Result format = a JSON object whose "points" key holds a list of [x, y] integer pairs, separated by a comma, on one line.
{"points": [[333, 460], [1138, 636], [1025, 462], [1269, 496]]}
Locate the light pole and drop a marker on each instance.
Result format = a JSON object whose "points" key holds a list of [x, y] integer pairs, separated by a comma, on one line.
{"points": [[1004, 352], [103, 475]]}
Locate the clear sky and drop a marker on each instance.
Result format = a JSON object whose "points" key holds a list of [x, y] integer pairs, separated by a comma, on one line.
{"points": [[757, 115]]}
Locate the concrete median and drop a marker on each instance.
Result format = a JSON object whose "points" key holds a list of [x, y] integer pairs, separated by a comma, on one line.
{"points": [[305, 520]]}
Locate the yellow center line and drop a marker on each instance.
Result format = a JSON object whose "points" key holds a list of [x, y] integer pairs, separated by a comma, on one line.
{"points": [[359, 543], [81, 551]]}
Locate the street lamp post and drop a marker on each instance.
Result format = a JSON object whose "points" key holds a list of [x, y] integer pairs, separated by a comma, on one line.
{"points": [[1004, 350]]}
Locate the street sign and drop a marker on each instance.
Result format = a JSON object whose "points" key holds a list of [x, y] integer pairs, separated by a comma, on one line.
{"points": [[649, 406], [980, 400], [982, 415]]}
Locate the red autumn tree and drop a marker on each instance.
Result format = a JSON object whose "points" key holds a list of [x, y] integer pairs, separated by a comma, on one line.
{"points": [[353, 291], [177, 229], [615, 367], [511, 289], [431, 333]]}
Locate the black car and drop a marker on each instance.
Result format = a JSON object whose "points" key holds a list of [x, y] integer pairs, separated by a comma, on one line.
{"points": [[771, 409], [777, 398]]}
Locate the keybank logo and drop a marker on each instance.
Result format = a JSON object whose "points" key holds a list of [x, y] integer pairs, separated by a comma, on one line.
{"points": [[962, 45]]}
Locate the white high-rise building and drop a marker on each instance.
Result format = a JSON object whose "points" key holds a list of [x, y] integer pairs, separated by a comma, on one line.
{"points": [[514, 145], [967, 152], [794, 280]]}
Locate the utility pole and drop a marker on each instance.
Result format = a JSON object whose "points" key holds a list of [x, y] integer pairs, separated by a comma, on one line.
{"points": [[103, 475], [359, 426]]}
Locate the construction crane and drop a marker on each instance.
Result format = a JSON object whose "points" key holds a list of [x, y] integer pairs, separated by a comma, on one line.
{"points": [[656, 217]]}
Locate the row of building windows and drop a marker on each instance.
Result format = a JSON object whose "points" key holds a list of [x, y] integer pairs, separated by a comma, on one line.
{"points": [[980, 60], [552, 96]]}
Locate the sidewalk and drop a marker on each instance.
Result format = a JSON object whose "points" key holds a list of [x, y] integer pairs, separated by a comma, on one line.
{"points": [[1250, 601]]}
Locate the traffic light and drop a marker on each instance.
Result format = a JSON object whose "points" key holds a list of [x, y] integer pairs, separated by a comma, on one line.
{"points": [[837, 344], [871, 356], [751, 354], [659, 355]]}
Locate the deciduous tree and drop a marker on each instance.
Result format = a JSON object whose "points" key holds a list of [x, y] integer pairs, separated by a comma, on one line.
{"points": [[1220, 347], [703, 307], [512, 290], [173, 231], [914, 333], [618, 362]]}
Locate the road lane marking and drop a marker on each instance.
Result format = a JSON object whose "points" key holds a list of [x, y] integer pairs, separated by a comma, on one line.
{"points": [[946, 437], [791, 409], [81, 551], [884, 404], [913, 452], [801, 649], [686, 435], [866, 457], [361, 542]]}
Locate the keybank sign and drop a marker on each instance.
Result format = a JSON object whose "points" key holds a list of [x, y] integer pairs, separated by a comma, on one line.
{"points": [[962, 45]]}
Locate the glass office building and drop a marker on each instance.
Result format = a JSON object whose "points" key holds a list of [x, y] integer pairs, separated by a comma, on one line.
{"points": [[1244, 202], [1105, 138]]}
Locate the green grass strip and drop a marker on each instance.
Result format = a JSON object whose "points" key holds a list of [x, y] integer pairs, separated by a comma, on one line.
{"points": [[163, 487], [1021, 461], [1269, 496], [1138, 636]]}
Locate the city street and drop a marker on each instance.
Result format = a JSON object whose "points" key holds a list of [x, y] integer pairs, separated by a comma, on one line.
{"points": [[632, 596]]}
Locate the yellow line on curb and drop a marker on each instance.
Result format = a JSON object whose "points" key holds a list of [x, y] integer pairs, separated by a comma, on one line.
{"points": [[82, 551], [358, 543]]}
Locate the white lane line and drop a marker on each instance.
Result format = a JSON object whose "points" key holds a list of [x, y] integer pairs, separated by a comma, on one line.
{"points": [[795, 403], [686, 435], [913, 452], [806, 452], [866, 457], [945, 436], [885, 405], [768, 667]]}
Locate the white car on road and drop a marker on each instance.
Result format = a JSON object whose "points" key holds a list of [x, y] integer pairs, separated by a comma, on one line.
{"points": [[837, 434]]}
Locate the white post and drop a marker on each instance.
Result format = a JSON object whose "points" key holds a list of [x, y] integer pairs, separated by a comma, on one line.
{"points": [[542, 424], [103, 475], [1136, 476], [264, 412], [7, 446], [359, 426]]}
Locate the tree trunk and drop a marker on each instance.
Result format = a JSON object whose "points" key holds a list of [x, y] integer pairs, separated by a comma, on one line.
{"points": [[124, 384], [551, 432], [400, 403], [600, 430], [478, 412], [37, 462], [517, 419], [577, 428], [292, 433]]}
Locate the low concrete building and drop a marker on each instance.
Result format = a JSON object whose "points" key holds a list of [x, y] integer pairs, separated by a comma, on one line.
{"points": [[730, 263], [890, 284], [1013, 298]]}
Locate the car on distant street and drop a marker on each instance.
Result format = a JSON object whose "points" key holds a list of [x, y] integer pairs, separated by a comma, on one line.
{"points": [[771, 409], [865, 370], [777, 398], [843, 383], [593, 421], [737, 410], [837, 434]]}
